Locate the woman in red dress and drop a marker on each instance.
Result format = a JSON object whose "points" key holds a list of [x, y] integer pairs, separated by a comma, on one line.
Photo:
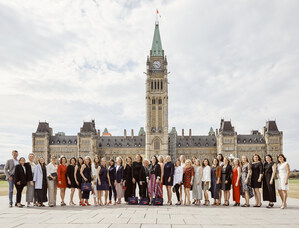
{"points": [[61, 177], [236, 182], [188, 180]]}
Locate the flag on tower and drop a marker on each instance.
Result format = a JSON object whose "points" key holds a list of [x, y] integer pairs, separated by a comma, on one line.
{"points": [[158, 13]]}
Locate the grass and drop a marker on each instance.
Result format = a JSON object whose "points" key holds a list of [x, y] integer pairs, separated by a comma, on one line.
{"points": [[294, 188], [293, 192]]}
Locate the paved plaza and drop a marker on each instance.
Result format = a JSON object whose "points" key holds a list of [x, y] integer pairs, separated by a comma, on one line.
{"points": [[149, 216]]}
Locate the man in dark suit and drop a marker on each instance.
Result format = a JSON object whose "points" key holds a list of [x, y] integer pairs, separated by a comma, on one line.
{"points": [[9, 171]]}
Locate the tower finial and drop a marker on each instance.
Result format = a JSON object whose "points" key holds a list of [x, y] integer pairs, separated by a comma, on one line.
{"points": [[157, 18]]}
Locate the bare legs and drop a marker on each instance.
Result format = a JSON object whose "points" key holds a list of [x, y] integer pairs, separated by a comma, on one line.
{"points": [[80, 194], [181, 193], [220, 195], [205, 192], [62, 196], [72, 197], [257, 195], [100, 198], [283, 195], [100, 194], [246, 198], [187, 196], [169, 193]]}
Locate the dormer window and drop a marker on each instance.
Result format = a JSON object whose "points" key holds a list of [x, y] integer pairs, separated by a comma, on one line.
{"points": [[70, 141], [58, 142]]}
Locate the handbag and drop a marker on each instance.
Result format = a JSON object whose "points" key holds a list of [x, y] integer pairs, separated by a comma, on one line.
{"points": [[85, 187], [53, 175], [158, 201], [132, 200], [144, 201]]}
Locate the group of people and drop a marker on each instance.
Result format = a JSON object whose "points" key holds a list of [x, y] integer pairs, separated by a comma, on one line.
{"points": [[119, 179]]}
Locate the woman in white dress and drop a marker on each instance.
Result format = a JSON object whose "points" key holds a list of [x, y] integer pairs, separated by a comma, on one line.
{"points": [[206, 179], [283, 173], [94, 171]]}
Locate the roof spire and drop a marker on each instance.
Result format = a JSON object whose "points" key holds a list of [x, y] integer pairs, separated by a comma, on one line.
{"points": [[157, 44]]}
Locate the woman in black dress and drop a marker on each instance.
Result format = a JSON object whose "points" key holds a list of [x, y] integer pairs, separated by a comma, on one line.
{"points": [[136, 167], [20, 180], [112, 176], [168, 178], [269, 193], [78, 178], [86, 178], [70, 176], [128, 178], [226, 180], [256, 178]]}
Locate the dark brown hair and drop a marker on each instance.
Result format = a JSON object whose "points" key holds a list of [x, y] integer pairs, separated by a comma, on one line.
{"points": [[216, 160], [60, 160], [259, 158], [281, 155], [203, 162]]}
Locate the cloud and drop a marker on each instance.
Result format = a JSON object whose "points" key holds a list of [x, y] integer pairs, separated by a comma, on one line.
{"points": [[69, 61]]}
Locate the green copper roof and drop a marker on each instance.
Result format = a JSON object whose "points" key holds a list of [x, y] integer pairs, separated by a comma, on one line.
{"points": [[211, 132], [141, 131], [157, 44], [105, 130]]}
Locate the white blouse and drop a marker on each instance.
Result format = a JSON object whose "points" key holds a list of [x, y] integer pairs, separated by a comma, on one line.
{"points": [[206, 176], [51, 169], [33, 165], [178, 175]]}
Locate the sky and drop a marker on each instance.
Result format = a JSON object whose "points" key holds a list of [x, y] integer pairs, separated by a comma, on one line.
{"points": [[71, 61]]}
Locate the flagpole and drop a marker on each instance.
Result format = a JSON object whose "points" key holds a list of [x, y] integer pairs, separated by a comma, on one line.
{"points": [[157, 16]]}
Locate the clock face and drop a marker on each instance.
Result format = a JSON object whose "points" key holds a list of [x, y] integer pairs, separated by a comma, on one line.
{"points": [[156, 64]]}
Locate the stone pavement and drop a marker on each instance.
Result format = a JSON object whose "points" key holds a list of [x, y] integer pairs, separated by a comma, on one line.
{"points": [[149, 216]]}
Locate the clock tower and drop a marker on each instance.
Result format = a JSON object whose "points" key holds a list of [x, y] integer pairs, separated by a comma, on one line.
{"points": [[156, 99]]}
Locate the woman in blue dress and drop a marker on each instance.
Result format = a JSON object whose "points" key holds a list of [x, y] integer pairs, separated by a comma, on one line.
{"points": [[103, 181]]}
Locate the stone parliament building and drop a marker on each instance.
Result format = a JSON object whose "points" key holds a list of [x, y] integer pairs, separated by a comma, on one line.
{"points": [[156, 137]]}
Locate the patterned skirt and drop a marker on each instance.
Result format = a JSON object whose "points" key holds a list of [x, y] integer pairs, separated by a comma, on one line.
{"points": [[154, 188]]}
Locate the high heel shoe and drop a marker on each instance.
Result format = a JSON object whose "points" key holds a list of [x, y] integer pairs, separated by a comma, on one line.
{"points": [[82, 203]]}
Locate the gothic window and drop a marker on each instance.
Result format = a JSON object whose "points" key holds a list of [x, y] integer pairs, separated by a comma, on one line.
{"points": [[160, 101], [153, 101], [152, 85], [155, 85], [157, 145], [161, 85], [158, 84]]}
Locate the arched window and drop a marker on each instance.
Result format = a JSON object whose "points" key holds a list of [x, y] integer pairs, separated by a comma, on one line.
{"points": [[160, 101], [158, 84], [155, 85], [152, 85], [153, 101], [157, 145], [161, 85]]}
